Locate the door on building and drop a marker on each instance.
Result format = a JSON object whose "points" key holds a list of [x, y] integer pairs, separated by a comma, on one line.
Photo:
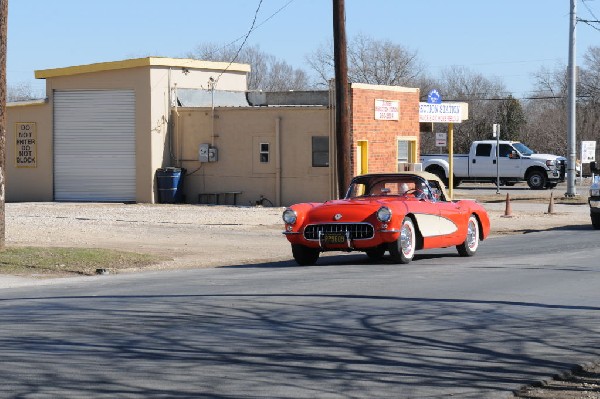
{"points": [[407, 153], [94, 145], [362, 157]]}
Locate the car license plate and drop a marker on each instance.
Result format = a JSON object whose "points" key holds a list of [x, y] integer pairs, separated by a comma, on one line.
{"points": [[334, 238]]}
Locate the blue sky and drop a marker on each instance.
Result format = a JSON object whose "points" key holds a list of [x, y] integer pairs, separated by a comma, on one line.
{"points": [[507, 39]]}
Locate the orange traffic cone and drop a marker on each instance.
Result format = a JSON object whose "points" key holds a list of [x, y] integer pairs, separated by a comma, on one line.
{"points": [[551, 204], [507, 210]]}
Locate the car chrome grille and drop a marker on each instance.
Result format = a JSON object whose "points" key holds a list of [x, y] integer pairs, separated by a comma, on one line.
{"points": [[358, 231]]}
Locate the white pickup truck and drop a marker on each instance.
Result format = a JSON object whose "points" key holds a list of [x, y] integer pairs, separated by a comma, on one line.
{"points": [[516, 162]]}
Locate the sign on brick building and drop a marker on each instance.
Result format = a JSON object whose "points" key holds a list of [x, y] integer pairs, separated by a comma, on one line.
{"points": [[387, 110], [25, 144]]}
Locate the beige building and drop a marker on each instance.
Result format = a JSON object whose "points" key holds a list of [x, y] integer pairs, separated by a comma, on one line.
{"points": [[106, 128]]}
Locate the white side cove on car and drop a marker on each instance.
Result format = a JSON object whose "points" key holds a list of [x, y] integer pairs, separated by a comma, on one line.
{"points": [[434, 225]]}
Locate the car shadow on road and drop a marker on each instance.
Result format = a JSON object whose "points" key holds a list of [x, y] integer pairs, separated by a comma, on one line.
{"points": [[342, 260], [573, 227]]}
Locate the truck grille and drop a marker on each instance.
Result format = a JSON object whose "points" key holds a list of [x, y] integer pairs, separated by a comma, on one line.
{"points": [[561, 165], [358, 231]]}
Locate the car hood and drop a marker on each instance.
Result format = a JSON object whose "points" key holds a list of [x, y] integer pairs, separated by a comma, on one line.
{"points": [[345, 210], [544, 157]]}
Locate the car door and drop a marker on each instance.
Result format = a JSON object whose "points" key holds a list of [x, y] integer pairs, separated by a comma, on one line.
{"points": [[509, 162], [482, 163], [438, 219]]}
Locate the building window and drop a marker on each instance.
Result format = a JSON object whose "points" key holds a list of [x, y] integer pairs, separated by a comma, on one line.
{"points": [[403, 153], [320, 151], [264, 152]]}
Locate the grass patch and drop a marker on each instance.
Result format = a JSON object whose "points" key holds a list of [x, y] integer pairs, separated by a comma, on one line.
{"points": [[27, 261]]}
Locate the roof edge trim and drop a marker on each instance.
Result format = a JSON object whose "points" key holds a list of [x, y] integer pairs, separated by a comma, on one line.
{"points": [[141, 62], [365, 86]]}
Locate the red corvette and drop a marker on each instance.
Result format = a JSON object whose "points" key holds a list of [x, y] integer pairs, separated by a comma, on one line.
{"points": [[395, 212]]}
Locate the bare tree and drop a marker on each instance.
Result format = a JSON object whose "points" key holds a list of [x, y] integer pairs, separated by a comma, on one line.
{"points": [[21, 92], [481, 93], [369, 61], [547, 113], [267, 72]]}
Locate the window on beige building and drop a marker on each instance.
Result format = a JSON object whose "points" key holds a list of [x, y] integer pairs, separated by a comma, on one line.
{"points": [[264, 152], [320, 151]]}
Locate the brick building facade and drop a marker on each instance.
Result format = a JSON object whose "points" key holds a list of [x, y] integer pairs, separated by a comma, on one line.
{"points": [[384, 140]]}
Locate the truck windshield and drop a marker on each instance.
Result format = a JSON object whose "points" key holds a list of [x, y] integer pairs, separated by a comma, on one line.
{"points": [[523, 149]]}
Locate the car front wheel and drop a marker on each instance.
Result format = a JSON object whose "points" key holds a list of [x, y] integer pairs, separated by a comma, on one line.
{"points": [[403, 249], [305, 256], [469, 247], [376, 253]]}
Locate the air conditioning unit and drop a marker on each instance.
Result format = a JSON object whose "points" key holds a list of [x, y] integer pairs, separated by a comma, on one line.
{"points": [[409, 167]]}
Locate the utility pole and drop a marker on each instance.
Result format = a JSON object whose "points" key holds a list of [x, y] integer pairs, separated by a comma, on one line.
{"points": [[3, 33], [342, 126], [571, 118]]}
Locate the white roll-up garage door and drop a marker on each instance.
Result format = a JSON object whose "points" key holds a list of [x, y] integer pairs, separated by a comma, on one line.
{"points": [[94, 145]]}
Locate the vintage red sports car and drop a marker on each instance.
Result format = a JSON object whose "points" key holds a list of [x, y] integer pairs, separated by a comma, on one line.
{"points": [[395, 212]]}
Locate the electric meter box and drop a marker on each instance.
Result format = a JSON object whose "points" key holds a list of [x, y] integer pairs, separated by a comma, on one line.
{"points": [[207, 153], [213, 154], [203, 152]]}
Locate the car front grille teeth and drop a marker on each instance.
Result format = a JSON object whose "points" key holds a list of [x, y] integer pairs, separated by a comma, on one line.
{"points": [[358, 231]]}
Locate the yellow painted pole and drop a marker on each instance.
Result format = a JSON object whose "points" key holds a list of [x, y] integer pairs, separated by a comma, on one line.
{"points": [[451, 160]]}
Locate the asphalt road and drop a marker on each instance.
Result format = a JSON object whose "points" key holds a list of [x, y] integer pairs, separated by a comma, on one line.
{"points": [[524, 308]]}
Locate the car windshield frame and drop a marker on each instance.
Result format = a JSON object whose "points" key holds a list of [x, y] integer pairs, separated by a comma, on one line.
{"points": [[523, 149], [367, 186]]}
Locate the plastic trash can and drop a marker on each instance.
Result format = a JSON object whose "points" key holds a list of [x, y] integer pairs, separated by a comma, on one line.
{"points": [[170, 185]]}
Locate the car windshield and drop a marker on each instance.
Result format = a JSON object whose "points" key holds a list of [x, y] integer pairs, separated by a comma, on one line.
{"points": [[401, 185], [523, 149]]}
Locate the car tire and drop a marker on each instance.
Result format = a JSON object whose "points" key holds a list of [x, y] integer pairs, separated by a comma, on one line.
{"points": [[403, 249], [304, 255], [376, 253], [596, 220], [536, 180], [471, 243]]}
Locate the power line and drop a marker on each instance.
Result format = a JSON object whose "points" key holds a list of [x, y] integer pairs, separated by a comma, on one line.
{"points": [[280, 9], [584, 2], [243, 43], [262, 23]]}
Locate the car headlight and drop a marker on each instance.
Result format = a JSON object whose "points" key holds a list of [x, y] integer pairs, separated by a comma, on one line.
{"points": [[595, 192], [550, 163], [384, 214], [290, 216]]}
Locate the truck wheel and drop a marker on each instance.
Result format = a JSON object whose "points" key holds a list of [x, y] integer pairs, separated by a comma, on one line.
{"points": [[439, 172], [536, 180], [596, 220]]}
